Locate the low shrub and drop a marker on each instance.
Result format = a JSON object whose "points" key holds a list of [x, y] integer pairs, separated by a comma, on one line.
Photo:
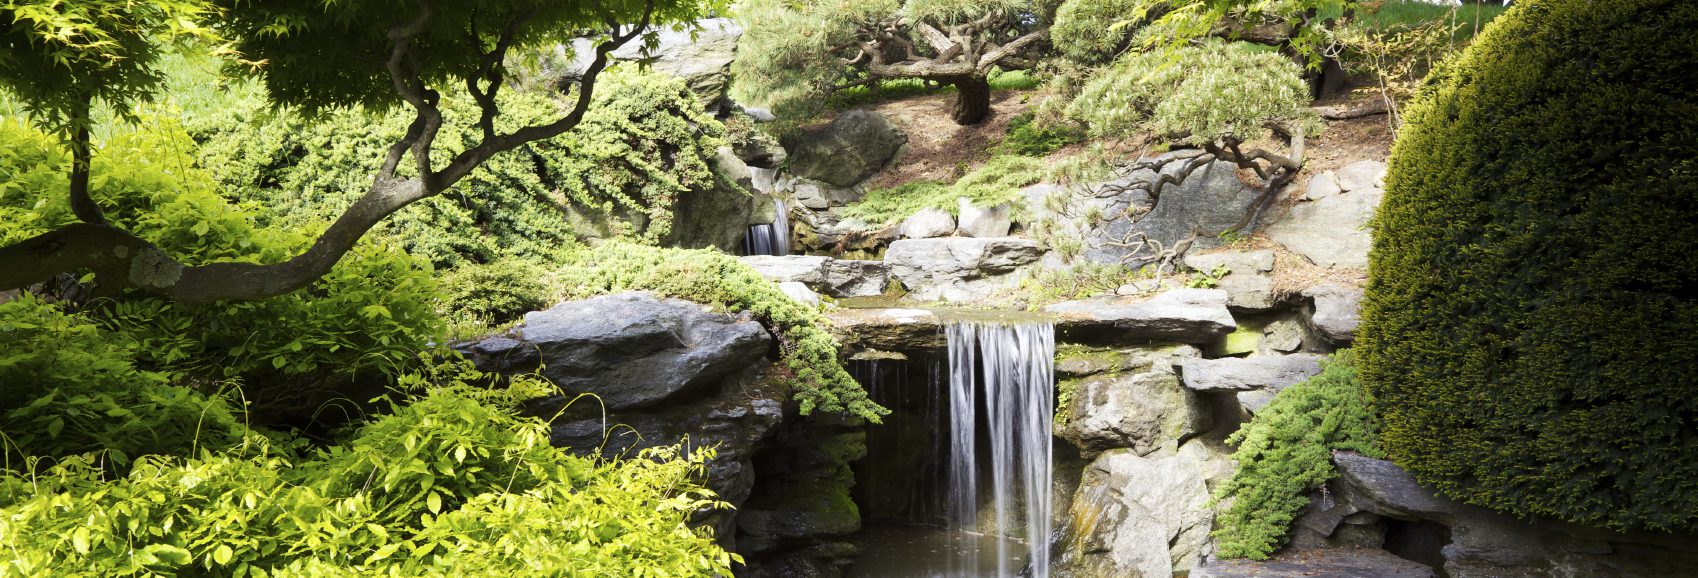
{"points": [[996, 182], [1195, 93], [1285, 452], [1033, 138]]}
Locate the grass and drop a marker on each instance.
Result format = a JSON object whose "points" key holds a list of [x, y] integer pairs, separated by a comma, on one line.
{"points": [[1388, 15]]}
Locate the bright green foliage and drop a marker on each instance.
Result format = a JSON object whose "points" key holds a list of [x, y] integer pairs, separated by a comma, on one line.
{"points": [[644, 143], [996, 182], [1198, 94], [66, 387], [1285, 452], [1031, 137], [1530, 323], [498, 292], [1093, 31], [320, 55], [452, 484], [710, 277], [1392, 15], [370, 314], [58, 56]]}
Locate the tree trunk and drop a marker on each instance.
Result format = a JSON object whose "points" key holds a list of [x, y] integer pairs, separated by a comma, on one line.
{"points": [[972, 100]]}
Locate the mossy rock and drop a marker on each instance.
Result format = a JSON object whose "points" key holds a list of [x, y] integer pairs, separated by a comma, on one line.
{"points": [[1530, 326]]}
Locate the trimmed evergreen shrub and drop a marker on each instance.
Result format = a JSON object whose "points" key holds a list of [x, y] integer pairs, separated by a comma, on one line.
{"points": [[1531, 329]]}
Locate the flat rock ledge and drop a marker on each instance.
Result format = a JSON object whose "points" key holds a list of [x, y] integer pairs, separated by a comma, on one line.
{"points": [[1183, 315], [891, 329], [1342, 563]]}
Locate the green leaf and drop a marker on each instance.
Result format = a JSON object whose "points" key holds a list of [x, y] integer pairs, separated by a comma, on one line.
{"points": [[53, 429], [434, 502], [222, 554]]}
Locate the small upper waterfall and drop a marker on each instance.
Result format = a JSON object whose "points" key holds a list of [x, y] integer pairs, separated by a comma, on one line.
{"points": [[1005, 370], [773, 239]]}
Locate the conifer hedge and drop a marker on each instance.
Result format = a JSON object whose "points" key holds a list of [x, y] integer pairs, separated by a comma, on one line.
{"points": [[1531, 324]]}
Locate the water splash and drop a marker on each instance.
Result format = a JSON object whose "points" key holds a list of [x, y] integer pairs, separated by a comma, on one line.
{"points": [[1006, 369]]}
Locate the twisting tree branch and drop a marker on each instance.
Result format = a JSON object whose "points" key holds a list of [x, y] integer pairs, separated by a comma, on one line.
{"points": [[122, 260]]}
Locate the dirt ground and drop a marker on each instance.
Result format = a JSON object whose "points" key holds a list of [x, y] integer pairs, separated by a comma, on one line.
{"points": [[938, 149]]}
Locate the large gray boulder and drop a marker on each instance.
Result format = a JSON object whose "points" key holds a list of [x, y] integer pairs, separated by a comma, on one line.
{"points": [[1338, 310], [959, 268], [1183, 315], [979, 221], [928, 223], [718, 216], [632, 350], [1330, 231], [1140, 410], [1143, 516], [1246, 283], [1212, 199], [854, 147]]}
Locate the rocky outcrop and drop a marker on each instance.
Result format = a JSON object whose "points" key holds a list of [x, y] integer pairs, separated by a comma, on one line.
{"points": [[1246, 282], [928, 223], [1337, 311], [959, 268], [630, 349], [1139, 409], [1142, 516], [719, 215], [1331, 230], [1183, 316], [828, 276], [854, 147], [702, 58], [1472, 542]]}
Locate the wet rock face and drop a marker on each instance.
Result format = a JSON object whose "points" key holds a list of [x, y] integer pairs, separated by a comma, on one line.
{"points": [[1139, 409], [1142, 516], [854, 147], [958, 269], [630, 349]]}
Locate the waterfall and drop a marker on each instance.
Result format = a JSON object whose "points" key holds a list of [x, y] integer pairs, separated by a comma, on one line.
{"points": [[768, 239], [1005, 369]]}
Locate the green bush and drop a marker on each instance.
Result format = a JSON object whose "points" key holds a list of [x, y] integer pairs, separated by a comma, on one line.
{"points": [[67, 387], [1195, 93], [996, 182], [370, 315], [1285, 452], [1093, 31], [710, 277], [453, 483], [1530, 323], [498, 292], [644, 143]]}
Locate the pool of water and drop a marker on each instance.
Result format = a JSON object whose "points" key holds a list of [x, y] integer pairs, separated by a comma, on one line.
{"points": [[893, 551]]}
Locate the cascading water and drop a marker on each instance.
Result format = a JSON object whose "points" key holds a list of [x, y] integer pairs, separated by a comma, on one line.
{"points": [[1007, 370], [773, 239]]}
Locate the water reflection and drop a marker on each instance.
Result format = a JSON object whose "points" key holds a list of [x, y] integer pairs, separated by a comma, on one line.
{"points": [[894, 551]]}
